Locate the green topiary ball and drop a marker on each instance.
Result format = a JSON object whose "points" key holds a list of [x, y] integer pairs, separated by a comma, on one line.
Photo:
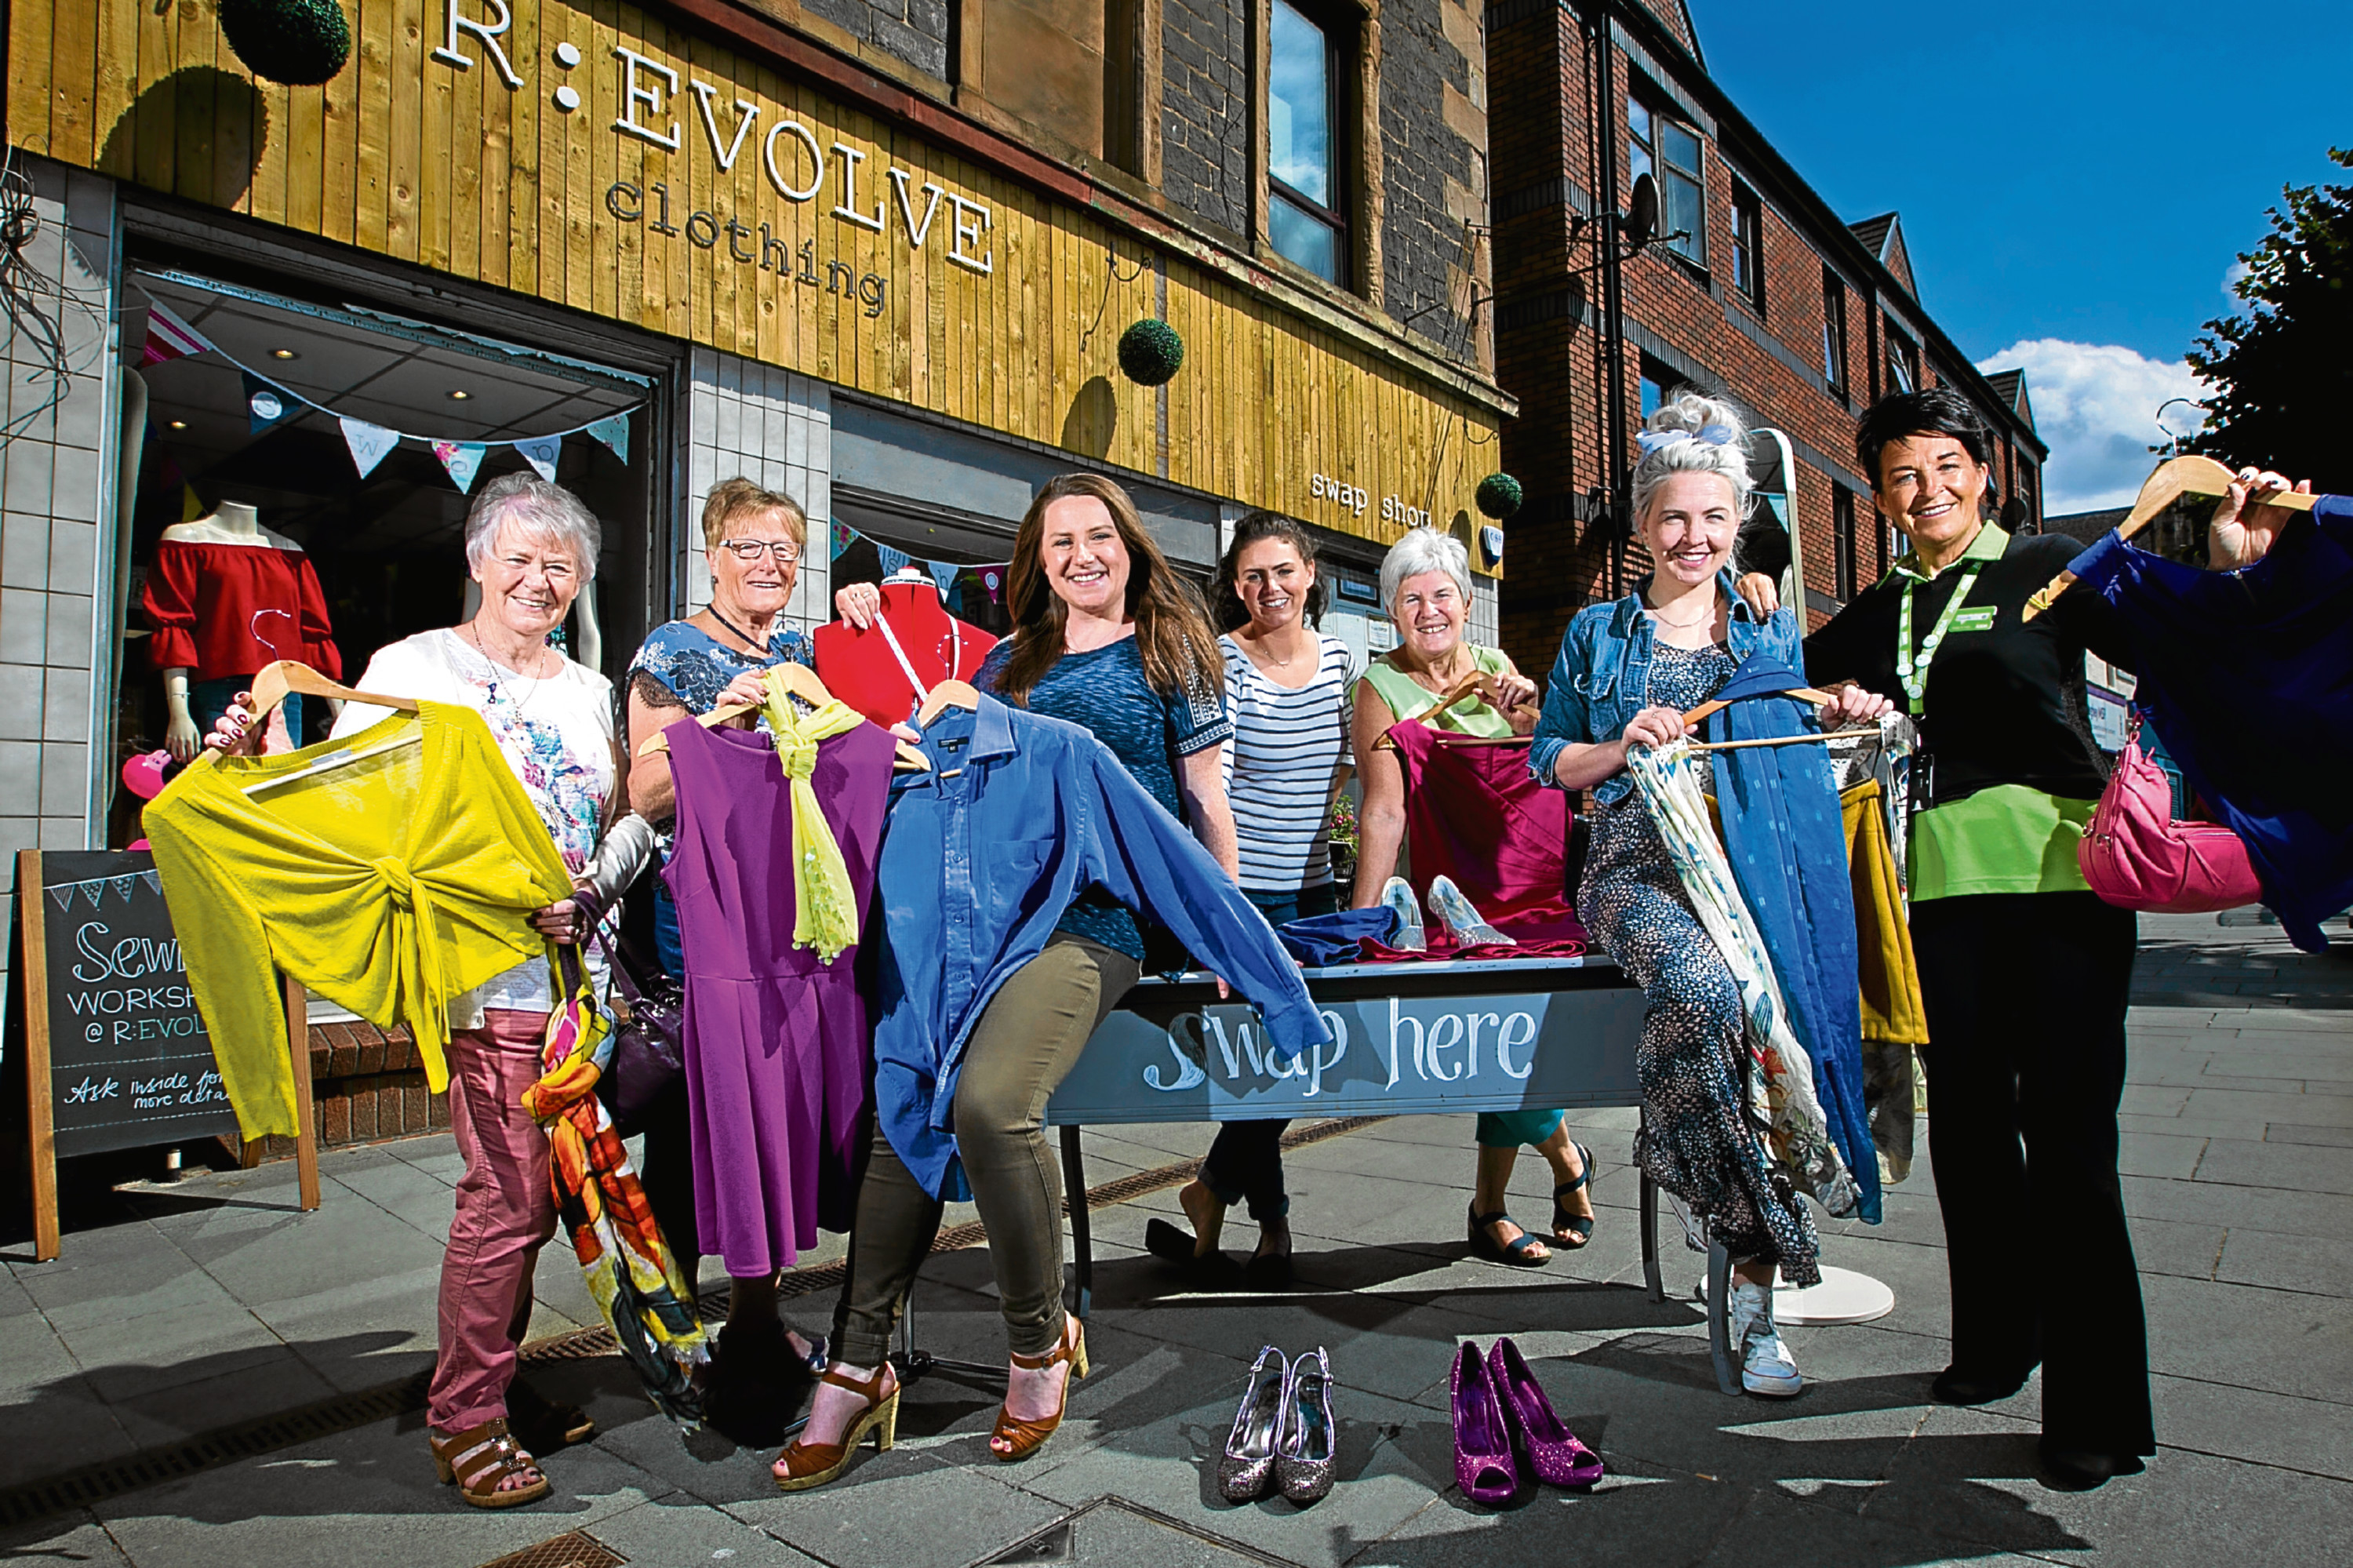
{"points": [[1499, 495], [1150, 352], [300, 43]]}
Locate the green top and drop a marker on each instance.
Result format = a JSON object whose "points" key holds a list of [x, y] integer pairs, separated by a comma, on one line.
{"points": [[1407, 698], [2012, 838]]}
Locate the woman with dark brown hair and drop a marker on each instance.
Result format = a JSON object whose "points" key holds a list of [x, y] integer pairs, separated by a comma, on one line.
{"points": [[1106, 636]]}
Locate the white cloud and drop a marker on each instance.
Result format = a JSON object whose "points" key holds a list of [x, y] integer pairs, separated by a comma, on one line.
{"points": [[2231, 276], [2096, 405]]}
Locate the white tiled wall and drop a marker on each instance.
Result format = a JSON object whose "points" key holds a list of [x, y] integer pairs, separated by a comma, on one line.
{"points": [[55, 574], [1484, 626], [772, 426]]}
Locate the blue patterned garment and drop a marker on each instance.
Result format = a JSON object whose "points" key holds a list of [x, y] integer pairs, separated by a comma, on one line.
{"points": [[1105, 693], [1786, 841], [693, 667]]}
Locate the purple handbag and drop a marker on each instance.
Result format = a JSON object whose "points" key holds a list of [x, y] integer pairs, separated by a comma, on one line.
{"points": [[649, 1043]]}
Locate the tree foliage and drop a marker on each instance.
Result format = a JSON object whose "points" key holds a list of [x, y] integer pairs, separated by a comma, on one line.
{"points": [[2282, 370]]}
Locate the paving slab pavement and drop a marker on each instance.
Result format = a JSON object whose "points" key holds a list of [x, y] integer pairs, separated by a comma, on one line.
{"points": [[177, 1312]]}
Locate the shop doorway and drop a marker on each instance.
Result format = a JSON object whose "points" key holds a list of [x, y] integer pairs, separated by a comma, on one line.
{"points": [[387, 547]]}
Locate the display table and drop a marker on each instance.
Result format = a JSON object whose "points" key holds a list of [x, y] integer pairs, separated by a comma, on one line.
{"points": [[1406, 1039]]}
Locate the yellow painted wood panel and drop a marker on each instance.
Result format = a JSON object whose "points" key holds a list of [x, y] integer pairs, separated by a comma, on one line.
{"points": [[414, 159]]}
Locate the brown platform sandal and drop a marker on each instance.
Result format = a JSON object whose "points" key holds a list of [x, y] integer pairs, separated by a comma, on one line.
{"points": [[805, 1465], [1023, 1438], [479, 1458]]}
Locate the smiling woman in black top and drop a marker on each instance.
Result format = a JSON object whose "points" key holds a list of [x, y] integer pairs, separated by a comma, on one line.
{"points": [[2024, 971]]}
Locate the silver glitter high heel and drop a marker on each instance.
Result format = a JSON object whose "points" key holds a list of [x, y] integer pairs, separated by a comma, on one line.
{"points": [[1248, 1464], [1303, 1459], [1397, 897], [1456, 913]]}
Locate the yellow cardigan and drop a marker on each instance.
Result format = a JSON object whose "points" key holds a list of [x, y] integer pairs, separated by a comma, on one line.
{"points": [[387, 885]]}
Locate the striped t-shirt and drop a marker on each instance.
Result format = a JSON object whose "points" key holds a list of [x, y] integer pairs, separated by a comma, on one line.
{"points": [[1279, 768]]}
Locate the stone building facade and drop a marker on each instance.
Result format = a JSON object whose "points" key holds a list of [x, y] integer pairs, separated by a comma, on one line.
{"points": [[1800, 316]]}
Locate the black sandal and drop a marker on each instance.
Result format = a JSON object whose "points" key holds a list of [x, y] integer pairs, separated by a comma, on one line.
{"points": [[1512, 1253], [1577, 1225]]}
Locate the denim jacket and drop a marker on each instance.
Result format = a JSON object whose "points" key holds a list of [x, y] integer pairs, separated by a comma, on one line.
{"points": [[1602, 676], [981, 857]]}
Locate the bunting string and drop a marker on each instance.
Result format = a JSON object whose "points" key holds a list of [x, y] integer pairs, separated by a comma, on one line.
{"points": [[269, 403], [951, 577]]}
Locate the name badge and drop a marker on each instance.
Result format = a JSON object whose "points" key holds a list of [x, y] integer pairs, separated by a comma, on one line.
{"points": [[1979, 618]]}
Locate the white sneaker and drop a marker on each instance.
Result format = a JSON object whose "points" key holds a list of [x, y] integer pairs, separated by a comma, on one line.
{"points": [[1764, 1364]]}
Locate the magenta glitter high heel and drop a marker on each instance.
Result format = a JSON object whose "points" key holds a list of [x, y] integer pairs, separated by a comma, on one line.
{"points": [[1484, 1466], [1553, 1451]]}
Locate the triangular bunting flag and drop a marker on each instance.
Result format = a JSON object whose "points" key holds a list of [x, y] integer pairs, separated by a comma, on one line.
{"points": [[613, 430], [169, 337], [541, 452], [154, 879], [843, 536], [64, 895], [370, 443], [944, 573], [121, 886], [268, 405], [891, 560], [90, 890], [463, 459], [192, 505], [993, 580]]}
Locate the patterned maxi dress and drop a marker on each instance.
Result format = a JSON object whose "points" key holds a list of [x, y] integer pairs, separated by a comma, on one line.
{"points": [[1699, 1139]]}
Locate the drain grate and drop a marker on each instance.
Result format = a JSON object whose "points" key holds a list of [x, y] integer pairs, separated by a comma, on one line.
{"points": [[574, 1549], [91, 1484]]}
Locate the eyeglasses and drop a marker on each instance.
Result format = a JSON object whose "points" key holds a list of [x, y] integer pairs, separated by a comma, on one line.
{"points": [[784, 550]]}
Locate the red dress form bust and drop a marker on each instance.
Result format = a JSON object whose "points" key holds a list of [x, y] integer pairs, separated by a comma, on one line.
{"points": [[859, 668]]}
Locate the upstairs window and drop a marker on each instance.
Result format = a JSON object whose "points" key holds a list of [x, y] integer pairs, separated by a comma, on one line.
{"points": [[1748, 245], [1656, 379], [1668, 151], [1305, 211], [1833, 331], [1902, 362]]}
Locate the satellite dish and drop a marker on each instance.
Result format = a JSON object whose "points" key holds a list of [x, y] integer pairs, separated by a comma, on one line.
{"points": [[1641, 219]]}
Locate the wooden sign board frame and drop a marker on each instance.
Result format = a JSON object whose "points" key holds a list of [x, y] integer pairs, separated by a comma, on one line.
{"points": [[41, 1112]]}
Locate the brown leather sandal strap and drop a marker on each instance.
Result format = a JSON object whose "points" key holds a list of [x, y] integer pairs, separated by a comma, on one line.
{"points": [[486, 1453], [868, 1388]]}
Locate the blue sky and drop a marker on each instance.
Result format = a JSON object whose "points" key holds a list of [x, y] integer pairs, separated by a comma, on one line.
{"points": [[2075, 179]]}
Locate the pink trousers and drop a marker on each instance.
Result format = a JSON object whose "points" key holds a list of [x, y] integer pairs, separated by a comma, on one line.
{"points": [[505, 1213]]}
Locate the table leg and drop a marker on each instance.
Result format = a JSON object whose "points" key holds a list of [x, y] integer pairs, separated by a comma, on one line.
{"points": [[1083, 1241]]}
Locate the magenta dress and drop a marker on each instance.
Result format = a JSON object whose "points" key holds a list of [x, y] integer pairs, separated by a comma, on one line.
{"points": [[779, 1076]]}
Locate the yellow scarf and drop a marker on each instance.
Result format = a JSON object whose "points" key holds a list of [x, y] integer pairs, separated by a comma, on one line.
{"points": [[824, 911]]}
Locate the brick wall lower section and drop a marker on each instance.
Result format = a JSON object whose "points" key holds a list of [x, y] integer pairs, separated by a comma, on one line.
{"points": [[1431, 176], [366, 1085], [1205, 119]]}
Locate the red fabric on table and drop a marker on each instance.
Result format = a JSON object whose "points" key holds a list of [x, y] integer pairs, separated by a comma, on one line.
{"points": [[1473, 813], [229, 610]]}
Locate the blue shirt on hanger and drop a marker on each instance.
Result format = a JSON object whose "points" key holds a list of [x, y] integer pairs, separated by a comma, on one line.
{"points": [[981, 858]]}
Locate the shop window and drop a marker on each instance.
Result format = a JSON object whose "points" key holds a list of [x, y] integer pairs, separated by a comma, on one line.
{"points": [[388, 547], [1902, 362], [1833, 331], [1668, 151], [1843, 541], [1306, 214], [1748, 245]]}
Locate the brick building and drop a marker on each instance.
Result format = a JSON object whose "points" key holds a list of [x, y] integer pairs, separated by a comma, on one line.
{"points": [[1754, 288]]}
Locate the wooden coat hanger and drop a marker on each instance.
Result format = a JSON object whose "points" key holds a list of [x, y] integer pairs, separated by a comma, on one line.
{"points": [[1461, 691], [277, 681], [944, 697], [796, 681], [1717, 704], [2174, 478]]}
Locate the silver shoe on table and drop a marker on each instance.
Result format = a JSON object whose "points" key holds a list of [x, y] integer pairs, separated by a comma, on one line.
{"points": [[1397, 897], [1459, 915], [1248, 1464], [1303, 1458]]}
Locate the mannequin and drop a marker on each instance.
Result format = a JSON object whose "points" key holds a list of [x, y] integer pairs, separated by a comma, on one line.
{"points": [[860, 669], [227, 597]]}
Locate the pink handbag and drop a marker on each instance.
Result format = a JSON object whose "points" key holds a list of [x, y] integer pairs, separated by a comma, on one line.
{"points": [[2137, 856]]}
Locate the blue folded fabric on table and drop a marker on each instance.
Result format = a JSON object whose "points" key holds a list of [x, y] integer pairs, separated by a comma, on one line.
{"points": [[1787, 846], [1323, 939], [2248, 677]]}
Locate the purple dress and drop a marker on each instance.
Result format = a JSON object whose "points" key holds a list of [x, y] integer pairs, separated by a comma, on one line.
{"points": [[777, 1071]]}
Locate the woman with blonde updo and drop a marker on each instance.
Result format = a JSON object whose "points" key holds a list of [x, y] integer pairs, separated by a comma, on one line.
{"points": [[1627, 671]]}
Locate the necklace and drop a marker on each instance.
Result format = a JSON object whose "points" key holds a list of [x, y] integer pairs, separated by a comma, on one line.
{"points": [[1660, 616], [743, 636], [497, 670]]}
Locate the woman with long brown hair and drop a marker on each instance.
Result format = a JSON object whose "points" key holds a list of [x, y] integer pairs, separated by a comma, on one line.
{"points": [[1106, 636]]}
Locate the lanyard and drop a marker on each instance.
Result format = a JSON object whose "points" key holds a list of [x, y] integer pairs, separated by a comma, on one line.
{"points": [[956, 654], [1913, 674]]}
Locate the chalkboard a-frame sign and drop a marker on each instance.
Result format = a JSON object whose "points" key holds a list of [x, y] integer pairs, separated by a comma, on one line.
{"points": [[114, 1054]]}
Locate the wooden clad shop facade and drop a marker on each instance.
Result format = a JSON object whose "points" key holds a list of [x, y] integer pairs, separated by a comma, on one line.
{"points": [[883, 269], [683, 185]]}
